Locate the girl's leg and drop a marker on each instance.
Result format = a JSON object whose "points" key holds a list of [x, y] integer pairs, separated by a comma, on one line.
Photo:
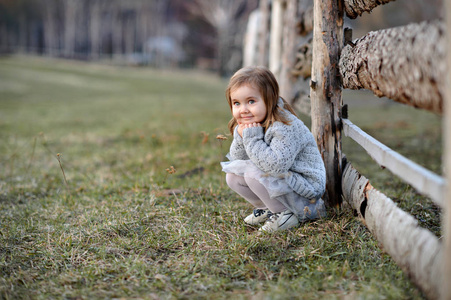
{"points": [[259, 189], [239, 185]]}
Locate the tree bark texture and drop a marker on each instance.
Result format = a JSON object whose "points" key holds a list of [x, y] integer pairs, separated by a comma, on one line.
{"points": [[325, 92], [416, 250], [355, 8], [405, 64]]}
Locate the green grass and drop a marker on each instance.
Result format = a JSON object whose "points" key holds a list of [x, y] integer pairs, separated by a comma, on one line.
{"points": [[125, 227]]}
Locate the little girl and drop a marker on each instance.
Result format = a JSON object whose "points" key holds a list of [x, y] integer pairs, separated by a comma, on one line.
{"points": [[274, 162]]}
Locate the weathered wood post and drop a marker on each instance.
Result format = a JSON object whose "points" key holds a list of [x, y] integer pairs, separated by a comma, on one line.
{"points": [[296, 14], [289, 46], [275, 45], [446, 224], [263, 44], [325, 91], [251, 39]]}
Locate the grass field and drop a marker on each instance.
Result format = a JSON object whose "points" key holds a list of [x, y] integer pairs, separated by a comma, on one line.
{"points": [[110, 187]]}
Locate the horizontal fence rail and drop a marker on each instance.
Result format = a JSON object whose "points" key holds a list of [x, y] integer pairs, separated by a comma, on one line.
{"points": [[415, 249], [423, 180], [404, 64]]}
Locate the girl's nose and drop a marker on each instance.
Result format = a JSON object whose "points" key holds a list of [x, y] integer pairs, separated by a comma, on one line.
{"points": [[244, 108]]}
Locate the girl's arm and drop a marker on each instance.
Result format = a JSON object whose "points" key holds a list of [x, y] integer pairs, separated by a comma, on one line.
{"points": [[237, 150], [278, 156]]}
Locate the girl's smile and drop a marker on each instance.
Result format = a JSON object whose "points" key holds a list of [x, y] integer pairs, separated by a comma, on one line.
{"points": [[248, 106]]}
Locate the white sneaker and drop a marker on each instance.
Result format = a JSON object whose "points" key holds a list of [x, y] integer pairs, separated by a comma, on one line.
{"points": [[258, 216], [280, 221]]}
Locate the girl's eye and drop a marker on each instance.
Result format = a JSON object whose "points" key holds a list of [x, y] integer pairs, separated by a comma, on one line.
{"points": [[236, 103], [251, 101]]}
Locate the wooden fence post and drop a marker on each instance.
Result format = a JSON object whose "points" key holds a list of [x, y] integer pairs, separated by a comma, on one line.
{"points": [[263, 43], [289, 46], [446, 223], [251, 39], [275, 46], [325, 92]]}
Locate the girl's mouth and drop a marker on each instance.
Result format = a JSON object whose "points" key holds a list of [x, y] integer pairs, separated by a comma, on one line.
{"points": [[246, 120]]}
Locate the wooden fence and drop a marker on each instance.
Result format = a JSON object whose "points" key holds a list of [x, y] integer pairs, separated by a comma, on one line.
{"points": [[308, 42]]}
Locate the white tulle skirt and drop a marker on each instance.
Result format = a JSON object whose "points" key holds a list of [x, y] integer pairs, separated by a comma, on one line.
{"points": [[276, 186]]}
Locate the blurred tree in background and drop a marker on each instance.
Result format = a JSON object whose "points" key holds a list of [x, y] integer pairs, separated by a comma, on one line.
{"points": [[229, 19]]}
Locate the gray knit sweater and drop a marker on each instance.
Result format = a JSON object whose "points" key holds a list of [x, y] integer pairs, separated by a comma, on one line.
{"points": [[284, 150]]}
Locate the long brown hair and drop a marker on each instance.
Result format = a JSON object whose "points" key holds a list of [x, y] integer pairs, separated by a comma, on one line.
{"points": [[263, 80]]}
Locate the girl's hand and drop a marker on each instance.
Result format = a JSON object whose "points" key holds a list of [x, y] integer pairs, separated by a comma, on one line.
{"points": [[252, 125], [241, 127]]}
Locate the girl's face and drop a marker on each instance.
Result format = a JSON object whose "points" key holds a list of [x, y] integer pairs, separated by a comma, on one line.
{"points": [[248, 105]]}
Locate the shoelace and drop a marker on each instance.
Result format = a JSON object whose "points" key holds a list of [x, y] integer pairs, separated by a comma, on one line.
{"points": [[258, 212], [273, 217]]}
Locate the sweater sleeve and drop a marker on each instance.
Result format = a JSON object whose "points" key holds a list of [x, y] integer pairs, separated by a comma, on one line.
{"points": [[237, 150], [276, 156]]}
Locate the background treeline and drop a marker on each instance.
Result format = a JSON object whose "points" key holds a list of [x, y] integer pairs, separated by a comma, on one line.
{"points": [[177, 33], [206, 34]]}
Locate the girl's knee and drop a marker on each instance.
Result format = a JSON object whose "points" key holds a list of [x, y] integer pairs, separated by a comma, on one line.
{"points": [[255, 185], [234, 181]]}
